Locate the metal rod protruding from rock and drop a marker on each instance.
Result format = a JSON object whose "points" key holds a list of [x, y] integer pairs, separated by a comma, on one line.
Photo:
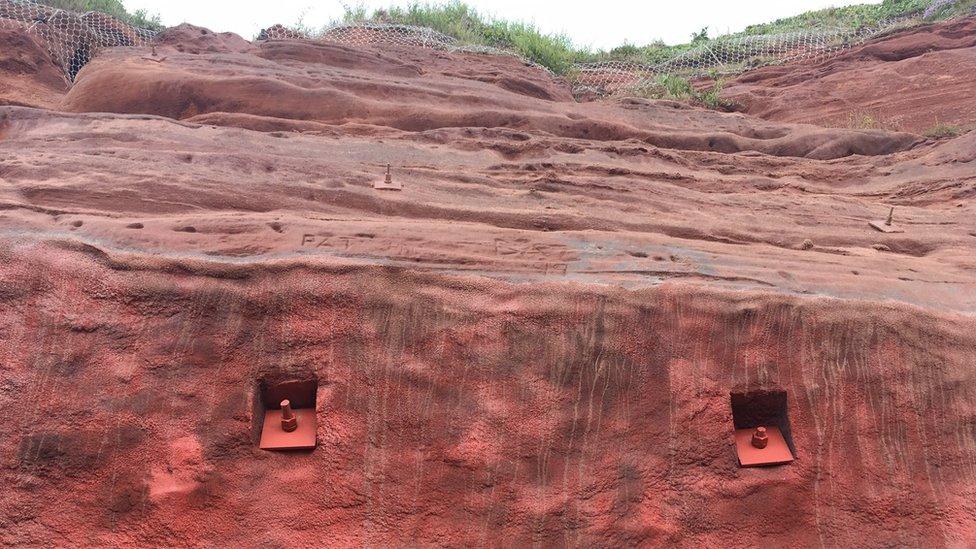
{"points": [[289, 421], [760, 439], [891, 216]]}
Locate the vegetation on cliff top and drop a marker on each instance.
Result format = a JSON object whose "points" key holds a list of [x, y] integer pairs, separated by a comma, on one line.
{"points": [[558, 53], [115, 8]]}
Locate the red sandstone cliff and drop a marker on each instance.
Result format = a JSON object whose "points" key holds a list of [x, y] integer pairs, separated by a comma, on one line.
{"points": [[912, 81], [534, 342]]}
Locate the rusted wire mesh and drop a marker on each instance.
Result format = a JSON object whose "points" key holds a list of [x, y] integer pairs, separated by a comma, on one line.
{"points": [[363, 34], [71, 38], [720, 57]]}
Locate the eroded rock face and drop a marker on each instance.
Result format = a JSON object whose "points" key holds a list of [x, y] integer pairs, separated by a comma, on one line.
{"points": [[415, 90], [519, 205], [195, 40], [534, 342], [465, 411], [910, 81], [28, 75]]}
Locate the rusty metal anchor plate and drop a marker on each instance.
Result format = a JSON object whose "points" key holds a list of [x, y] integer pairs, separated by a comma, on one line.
{"points": [[776, 452], [387, 186], [885, 228], [273, 437]]}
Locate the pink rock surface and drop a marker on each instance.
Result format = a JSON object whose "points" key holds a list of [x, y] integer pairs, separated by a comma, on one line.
{"points": [[28, 76], [910, 81], [462, 411], [534, 343]]}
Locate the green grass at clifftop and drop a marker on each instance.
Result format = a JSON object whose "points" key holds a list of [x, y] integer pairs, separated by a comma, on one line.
{"points": [[115, 8], [558, 53]]}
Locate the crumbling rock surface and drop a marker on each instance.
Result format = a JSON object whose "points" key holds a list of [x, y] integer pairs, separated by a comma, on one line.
{"points": [[416, 90], [195, 40], [465, 412], [500, 202], [910, 81], [533, 343], [28, 75]]}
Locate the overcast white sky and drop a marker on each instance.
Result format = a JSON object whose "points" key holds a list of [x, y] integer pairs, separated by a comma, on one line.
{"points": [[602, 24]]}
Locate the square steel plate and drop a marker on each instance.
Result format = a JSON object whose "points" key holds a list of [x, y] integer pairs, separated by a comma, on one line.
{"points": [[776, 452], [273, 437], [880, 226], [384, 186]]}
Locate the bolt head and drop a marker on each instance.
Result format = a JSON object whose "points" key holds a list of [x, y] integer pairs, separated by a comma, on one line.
{"points": [[759, 438]]}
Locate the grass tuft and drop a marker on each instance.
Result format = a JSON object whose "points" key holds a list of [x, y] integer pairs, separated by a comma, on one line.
{"points": [[866, 120], [676, 88], [942, 131]]}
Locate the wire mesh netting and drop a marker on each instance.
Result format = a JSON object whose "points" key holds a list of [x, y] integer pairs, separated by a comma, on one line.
{"points": [[721, 57], [939, 5], [362, 34], [71, 38]]}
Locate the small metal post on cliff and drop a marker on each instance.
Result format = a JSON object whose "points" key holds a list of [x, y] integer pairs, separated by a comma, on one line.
{"points": [[887, 226], [388, 184], [154, 55]]}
